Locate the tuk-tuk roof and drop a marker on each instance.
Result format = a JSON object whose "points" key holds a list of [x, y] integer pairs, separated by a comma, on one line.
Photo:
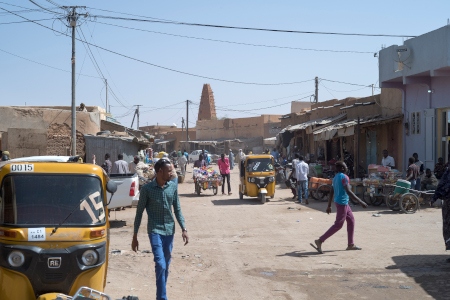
{"points": [[256, 156], [49, 164]]}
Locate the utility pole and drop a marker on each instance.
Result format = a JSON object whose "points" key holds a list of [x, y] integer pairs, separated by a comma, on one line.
{"points": [[187, 120], [72, 20], [106, 83], [137, 111], [372, 89], [182, 124], [316, 94]]}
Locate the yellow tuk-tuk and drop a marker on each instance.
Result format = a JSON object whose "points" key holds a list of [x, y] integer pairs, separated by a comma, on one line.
{"points": [[54, 228], [257, 177]]}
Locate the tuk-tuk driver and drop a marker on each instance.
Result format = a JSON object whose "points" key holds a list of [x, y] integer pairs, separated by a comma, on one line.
{"points": [[157, 198]]}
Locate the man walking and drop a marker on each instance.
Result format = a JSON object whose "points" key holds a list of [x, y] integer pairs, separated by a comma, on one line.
{"points": [[231, 159], [157, 198], [301, 173], [120, 166], [340, 193], [239, 158]]}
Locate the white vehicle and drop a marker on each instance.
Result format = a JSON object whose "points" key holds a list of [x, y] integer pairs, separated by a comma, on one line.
{"points": [[127, 184], [195, 154], [127, 190]]}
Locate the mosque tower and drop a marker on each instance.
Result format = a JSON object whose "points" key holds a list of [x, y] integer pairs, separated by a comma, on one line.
{"points": [[207, 108]]}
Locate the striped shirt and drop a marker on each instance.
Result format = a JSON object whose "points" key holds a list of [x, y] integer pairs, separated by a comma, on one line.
{"points": [[157, 201]]}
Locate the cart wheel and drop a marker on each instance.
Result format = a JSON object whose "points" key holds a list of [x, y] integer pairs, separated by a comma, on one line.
{"points": [[323, 192], [262, 198], [199, 189], [366, 198], [392, 202], [313, 193], [377, 200], [241, 196], [214, 188], [409, 203]]}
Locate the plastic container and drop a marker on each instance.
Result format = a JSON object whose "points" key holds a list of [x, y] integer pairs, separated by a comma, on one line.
{"points": [[402, 186]]}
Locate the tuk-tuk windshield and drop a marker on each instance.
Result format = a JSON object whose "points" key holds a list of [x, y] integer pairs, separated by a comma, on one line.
{"points": [[259, 165], [50, 199]]}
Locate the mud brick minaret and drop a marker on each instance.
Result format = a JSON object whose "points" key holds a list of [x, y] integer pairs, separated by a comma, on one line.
{"points": [[207, 108]]}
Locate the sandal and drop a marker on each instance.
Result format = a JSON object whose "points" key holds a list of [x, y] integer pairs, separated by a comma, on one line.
{"points": [[353, 247], [230, 193], [318, 246]]}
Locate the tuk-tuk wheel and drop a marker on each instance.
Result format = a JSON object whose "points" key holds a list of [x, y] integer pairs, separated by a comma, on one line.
{"points": [[241, 196], [271, 197], [262, 198], [409, 203], [198, 188]]}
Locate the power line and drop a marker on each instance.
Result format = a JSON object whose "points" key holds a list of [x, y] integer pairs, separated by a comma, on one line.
{"points": [[55, 68], [254, 28], [18, 22], [239, 43], [335, 81], [166, 68], [107, 71]]}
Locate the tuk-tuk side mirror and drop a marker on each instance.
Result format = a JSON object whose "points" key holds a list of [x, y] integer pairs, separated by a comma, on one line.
{"points": [[111, 187]]}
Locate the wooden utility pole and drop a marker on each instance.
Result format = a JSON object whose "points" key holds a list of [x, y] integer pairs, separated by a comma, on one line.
{"points": [[316, 93], [72, 19]]}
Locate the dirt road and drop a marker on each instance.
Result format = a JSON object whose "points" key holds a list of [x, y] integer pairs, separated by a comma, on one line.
{"points": [[241, 249]]}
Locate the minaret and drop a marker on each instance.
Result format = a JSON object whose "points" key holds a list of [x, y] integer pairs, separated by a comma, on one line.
{"points": [[207, 108]]}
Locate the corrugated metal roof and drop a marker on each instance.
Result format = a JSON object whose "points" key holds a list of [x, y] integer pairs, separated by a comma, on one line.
{"points": [[317, 122], [346, 127]]}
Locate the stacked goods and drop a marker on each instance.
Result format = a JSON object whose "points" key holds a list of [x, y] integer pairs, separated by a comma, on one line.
{"points": [[205, 174]]}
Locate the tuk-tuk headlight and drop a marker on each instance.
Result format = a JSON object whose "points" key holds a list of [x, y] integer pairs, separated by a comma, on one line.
{"points": [[271, 179], [16, 259], [251, 179], [89, 257]]}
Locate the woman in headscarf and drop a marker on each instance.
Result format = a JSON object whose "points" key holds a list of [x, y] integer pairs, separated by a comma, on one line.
{"points": [[443, 192]]}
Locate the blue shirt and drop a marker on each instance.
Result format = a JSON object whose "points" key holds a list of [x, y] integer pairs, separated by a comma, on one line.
{"points": [[339, 182]]}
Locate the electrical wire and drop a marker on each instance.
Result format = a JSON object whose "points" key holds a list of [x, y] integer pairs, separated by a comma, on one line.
{"points": [[253, 28], [18, 22], [55, 68], [166, 68], [107, 71], [335, 81], [365, 87], [237, 43]]}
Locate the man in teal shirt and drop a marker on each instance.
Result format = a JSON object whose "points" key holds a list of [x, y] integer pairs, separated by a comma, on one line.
{"points": [[157, 198]]}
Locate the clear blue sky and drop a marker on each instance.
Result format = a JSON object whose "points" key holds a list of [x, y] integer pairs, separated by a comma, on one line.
{"points": [[163, 93]]}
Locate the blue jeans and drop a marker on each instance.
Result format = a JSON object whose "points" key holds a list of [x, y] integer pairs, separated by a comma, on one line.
{"points": [[417, 187], [413, 183], [161, 247], [302, 185]]}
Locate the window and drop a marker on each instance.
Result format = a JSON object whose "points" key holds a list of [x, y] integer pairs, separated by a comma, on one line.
{"points": [[52, 199], [415, 123]]}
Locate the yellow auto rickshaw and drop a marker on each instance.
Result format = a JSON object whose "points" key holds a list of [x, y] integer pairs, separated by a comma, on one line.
{"points": [[54, 228], [257, 177]]}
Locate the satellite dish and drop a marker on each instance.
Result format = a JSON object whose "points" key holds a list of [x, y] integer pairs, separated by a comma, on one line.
{"points": [[174, 124], [403, 53]]}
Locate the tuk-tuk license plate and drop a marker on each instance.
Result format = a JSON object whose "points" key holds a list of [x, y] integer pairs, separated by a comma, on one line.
{"points": [[22, 168]]}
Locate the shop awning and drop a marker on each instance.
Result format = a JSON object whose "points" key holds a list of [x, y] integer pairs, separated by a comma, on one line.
{"points": [[347, 127], [317, 122], [160, 142], [270, 141]]}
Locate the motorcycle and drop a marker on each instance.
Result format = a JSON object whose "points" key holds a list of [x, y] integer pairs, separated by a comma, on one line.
{"points": [[85, 293], [280, 173]]}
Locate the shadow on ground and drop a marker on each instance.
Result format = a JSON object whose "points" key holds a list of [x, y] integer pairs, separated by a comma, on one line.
{"points": [[117, 223], [429, 271], [245, 201]]}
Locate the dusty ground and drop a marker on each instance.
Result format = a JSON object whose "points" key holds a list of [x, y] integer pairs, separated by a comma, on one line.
{"points": [[240, 249]]}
